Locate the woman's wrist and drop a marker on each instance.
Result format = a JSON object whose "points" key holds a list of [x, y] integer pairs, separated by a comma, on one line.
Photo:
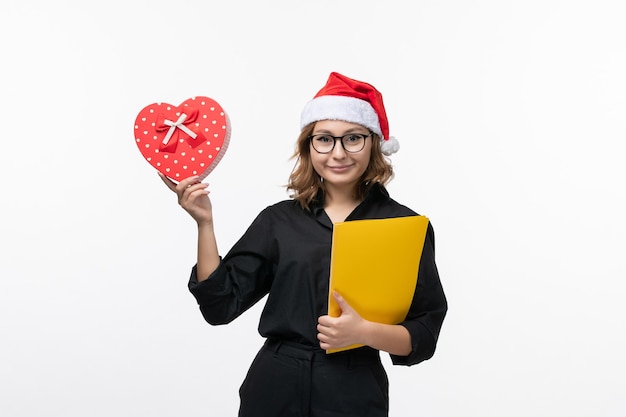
{"points": [[205, 224]]}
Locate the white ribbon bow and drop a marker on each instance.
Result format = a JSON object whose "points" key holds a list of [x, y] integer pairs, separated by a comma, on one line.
{"points": [[177, 124]]}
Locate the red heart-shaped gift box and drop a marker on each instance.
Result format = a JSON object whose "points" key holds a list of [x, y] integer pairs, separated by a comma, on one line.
{"points": [[185, 140]]}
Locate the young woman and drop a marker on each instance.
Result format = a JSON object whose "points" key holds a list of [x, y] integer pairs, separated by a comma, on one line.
{"points": [[340, 175]]}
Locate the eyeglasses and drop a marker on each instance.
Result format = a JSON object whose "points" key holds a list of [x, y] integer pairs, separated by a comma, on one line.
{"points": [[352, 142]]}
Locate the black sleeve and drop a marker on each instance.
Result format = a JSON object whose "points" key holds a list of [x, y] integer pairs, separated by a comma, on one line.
{"points": [[428, 308], [242, 278]]}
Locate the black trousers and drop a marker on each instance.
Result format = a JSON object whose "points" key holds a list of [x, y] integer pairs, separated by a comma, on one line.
{"points": [[292, 380]]}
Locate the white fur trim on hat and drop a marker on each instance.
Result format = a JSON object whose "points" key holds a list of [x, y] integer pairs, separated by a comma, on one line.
{"points": [[390, 146], [348, 109]]}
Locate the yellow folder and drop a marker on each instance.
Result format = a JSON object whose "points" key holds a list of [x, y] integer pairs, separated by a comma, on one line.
{"points": [[374, 266]]}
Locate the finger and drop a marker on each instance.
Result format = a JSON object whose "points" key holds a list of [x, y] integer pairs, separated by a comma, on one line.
{"points": [[343, 304], [170, 184], [322, 338], [193, 192], [323, 329], [186, 183], [324, 321], [186, 186]]}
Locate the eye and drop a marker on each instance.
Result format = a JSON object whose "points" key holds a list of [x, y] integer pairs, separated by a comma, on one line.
{"points": [[352, 138], [323, 138]]}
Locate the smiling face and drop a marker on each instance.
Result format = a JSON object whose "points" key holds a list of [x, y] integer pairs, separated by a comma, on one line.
{"points": [[338, 168]]}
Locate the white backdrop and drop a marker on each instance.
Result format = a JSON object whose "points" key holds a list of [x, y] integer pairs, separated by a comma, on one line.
{"points": [[510, 116]]}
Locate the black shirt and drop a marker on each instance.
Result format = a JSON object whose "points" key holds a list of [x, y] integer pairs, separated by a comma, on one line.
{"points": [[286, 253]]}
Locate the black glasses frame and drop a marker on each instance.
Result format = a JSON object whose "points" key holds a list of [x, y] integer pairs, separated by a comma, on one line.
{"points": [[343, 145]]}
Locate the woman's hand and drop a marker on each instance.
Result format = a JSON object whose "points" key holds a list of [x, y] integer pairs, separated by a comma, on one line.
{"points": [[193, 196], [347, 329], [352, 329]]}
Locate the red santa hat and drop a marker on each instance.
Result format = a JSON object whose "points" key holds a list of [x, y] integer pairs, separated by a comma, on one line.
{"points": [[353, 101]]}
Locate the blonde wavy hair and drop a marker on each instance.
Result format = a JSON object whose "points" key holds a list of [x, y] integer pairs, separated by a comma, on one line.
{"points": [[304, 183]]}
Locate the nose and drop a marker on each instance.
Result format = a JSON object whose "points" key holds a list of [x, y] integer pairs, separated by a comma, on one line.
{"points": [[338, 151]]}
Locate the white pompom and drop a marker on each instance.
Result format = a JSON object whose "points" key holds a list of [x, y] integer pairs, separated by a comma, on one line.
{"points": [[390, 146]]}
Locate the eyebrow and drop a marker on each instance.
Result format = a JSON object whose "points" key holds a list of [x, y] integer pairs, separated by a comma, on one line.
{"points": [[347, 132]]}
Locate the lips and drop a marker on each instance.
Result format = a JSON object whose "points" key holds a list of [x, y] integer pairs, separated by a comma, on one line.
{"points": [[340, 168]]}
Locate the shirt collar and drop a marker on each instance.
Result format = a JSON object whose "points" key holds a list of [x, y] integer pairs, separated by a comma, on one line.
{"points": [[376, 192]]}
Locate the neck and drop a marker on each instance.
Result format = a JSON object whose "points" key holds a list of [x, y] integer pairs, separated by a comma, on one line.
{"points": [[340, 196], [339, 203]]}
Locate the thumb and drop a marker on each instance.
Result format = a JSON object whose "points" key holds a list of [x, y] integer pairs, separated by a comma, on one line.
{"points": [[170, 184], [343, 304]]}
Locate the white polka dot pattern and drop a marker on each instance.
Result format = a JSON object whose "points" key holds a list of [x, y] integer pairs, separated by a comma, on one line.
{"points": [[183, 141]]}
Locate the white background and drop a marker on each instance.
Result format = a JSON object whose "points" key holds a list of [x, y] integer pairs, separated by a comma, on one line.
{"points": [[510, 116]]}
